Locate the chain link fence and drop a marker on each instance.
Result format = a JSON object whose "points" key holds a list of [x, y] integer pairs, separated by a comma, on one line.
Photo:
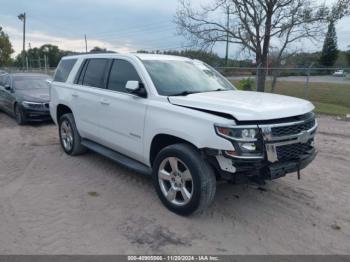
{"points": [[37, 70], [327, 88]]}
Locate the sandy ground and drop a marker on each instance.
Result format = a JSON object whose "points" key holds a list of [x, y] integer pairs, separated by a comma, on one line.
{"points": [[51, 203]]}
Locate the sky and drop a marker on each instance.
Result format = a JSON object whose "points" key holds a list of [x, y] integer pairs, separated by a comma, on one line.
{"points": [[118, 25]]}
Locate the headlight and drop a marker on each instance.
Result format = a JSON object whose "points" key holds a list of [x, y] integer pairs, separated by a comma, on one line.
{"points": [[33, 105], [246, 139], [238, 133]]}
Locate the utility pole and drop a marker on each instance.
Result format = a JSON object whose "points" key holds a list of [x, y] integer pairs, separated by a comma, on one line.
{"points": [[45, 63], [85, 44], [227, 36], [23, 18]]}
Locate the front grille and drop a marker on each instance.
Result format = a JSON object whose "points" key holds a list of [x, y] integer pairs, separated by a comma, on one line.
{"points": [[293, 151], [47, 105], [292, 129]]}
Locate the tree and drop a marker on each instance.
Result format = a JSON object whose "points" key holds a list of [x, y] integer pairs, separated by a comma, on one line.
{"points": [[5, 49], [348, 56], [98, 49], [255, 24], [330, 48], [53, 54], [208, 57], [36, 56]]}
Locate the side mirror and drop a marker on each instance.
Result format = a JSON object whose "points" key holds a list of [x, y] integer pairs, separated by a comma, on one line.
{"points": [[132, 86], [137, 88]]}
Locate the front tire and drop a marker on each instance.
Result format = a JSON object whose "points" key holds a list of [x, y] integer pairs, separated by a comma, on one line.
{"points": [[184, 182], [19, 115], [69, 135]]}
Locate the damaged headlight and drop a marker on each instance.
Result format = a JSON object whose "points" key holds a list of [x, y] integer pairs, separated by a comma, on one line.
{"points": [[246, 139], [238, 133]]}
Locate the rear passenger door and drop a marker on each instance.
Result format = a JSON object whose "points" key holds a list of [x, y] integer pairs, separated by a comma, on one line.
{"points": [[123, 114], [87, 97]]}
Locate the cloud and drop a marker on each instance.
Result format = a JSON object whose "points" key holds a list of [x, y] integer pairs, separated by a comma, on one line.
{"points": [[37, 39], [121, 26]]}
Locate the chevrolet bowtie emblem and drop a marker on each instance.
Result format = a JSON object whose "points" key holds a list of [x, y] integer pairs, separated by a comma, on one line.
{"points": [[304, 137]]}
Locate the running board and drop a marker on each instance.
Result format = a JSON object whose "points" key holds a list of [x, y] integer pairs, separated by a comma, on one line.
{"points": [[117, 157]]}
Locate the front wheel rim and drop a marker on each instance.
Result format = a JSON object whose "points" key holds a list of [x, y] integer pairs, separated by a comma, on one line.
{"points": [[175, 180], [66, 135]]}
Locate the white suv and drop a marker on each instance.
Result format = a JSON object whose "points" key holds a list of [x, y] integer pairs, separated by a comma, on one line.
{"points": [[180, 121]]}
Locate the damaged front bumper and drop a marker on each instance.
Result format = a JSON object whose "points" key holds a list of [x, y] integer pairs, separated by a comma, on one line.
{"points": [[280, 169], [287, 147], [243, 169]]}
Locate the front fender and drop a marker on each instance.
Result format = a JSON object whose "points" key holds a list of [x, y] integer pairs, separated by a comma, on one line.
{"points": [[190, 125]]}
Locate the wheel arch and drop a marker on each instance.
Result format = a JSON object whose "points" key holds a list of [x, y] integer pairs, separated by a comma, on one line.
{"points": [[61, 110], [163, 140], [14, 106]]}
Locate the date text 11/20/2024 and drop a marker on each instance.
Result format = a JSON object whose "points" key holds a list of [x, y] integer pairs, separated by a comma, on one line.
{"points": [[173, 258]]}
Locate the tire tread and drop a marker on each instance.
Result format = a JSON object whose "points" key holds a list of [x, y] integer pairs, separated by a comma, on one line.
{"points": [[78, 148], [206, 176]]}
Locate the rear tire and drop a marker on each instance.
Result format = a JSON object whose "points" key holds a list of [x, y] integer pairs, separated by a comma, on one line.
{"points": [[69, 135], [184, 182]]}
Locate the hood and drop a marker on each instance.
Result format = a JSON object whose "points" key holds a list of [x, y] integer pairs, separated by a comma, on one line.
{"points": [[246, 105], [34, 94]]}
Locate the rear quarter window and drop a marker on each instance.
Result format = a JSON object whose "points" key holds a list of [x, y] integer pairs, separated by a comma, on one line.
{"points": [[63, 70]]}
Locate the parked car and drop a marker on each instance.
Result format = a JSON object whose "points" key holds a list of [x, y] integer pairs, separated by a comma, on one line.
{"points": [[25, 96], [180, 121], [340, 73]]}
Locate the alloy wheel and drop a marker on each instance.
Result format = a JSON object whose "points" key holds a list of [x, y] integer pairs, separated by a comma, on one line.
{"points": [[175, 181], [66, 135]]}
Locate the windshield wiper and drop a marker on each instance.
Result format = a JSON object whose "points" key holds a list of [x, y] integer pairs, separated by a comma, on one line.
{"points": [[185, 93]]}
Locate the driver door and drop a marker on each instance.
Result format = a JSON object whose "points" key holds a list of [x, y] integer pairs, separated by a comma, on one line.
{"points": [[123, 114]]}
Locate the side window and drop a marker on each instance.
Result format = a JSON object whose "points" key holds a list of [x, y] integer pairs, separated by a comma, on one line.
{"points": [[121, 72], [80, 75], [95, 73], [63, 70]]}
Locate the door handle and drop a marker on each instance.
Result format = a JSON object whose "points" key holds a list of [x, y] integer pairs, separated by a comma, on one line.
{"points": [[104, 102], [74, 95]]}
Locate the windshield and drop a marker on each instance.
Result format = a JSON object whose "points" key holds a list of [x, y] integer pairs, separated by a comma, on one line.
{"points": [[29, 82], [172, 77]]}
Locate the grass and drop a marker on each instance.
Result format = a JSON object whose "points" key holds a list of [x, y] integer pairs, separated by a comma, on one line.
{"points": [[328, 98]]}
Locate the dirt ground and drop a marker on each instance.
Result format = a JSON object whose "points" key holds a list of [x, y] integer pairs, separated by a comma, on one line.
{"points": [[51, 203]]}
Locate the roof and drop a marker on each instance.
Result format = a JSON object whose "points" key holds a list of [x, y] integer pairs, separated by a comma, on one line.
{"points": [[134, 55], [161, 57]]}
